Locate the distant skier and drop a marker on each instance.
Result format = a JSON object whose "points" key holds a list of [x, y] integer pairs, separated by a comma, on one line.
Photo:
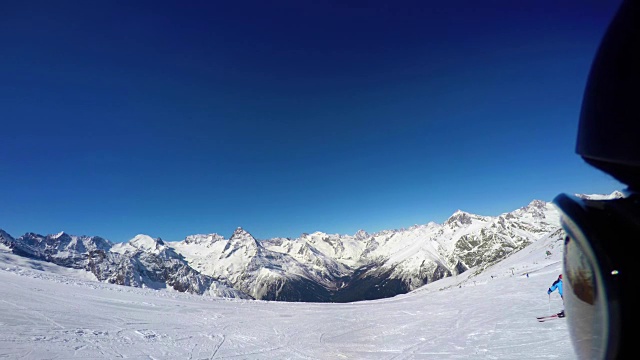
{"points": [[557, 285]]}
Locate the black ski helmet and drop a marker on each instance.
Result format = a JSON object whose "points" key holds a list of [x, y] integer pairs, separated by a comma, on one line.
{"points": [[609, 129]]}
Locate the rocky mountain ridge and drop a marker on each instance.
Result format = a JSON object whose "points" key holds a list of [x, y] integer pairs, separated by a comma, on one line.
{"points": [[316, 267]]}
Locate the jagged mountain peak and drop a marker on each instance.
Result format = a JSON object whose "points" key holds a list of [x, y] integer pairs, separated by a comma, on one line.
{"points": [[361, 235], [31, 235], [5, 234], [536, 208], [241, 234], [242, 239], [59, 235], [5, 238], [537, 204], [204, 239], [461, 217], [617, 194]]}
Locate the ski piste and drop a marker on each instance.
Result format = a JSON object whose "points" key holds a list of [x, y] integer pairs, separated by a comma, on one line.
{"points": [[548, 317]]}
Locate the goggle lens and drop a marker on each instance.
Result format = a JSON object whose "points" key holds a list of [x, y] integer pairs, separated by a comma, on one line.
{"points": [[585, 304]]}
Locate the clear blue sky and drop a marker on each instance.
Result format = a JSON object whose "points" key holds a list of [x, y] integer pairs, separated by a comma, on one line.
{"points": [[283, 117]]}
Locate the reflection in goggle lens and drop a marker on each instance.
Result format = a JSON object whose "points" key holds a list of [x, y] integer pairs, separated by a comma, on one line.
{"points": [[585, 304]]}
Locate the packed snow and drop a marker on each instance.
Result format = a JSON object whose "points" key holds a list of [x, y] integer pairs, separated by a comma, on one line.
{"points": [[52, 312]]}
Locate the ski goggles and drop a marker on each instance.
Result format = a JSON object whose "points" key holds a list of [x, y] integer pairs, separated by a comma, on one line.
{"points": [[601, 238]]}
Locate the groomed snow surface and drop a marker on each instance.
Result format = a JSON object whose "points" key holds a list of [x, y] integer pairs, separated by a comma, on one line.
{"points": [[50, 312]]}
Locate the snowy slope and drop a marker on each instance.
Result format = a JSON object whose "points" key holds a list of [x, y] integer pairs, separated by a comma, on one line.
{"points": [[489, 315]]}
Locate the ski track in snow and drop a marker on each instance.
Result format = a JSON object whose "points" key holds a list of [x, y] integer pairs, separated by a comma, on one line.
{"points": [[62, 314]]}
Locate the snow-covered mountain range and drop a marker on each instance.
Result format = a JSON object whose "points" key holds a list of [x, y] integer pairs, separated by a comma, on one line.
{"points": [[315, 267]]}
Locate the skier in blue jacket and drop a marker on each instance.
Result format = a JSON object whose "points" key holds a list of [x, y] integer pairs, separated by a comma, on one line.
{"points": [[557, 285]]}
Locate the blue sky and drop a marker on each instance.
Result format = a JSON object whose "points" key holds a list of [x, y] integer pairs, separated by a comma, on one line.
{"points": [[284, 117]]}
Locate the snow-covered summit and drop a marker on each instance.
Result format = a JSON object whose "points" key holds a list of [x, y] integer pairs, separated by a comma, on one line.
{"points": [[241, 234], [59, 235], [204, 239], [145, 242], [460, 217], [463, 218], [614, 195], [241, 239], [536, 204], [141, 242], [5, 238], [361, 235]]}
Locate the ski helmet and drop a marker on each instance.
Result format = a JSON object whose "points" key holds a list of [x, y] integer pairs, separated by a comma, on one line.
{"points": [[610, 115]]}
